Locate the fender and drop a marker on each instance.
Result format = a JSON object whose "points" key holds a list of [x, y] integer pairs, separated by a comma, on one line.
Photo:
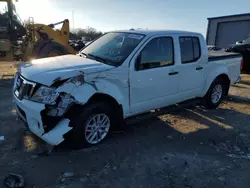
{"points": [[211, 76], [82, 90]]}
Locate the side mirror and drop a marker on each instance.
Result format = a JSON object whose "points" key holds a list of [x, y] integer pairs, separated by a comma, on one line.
{"points": [[239, 42], [138, 62]]}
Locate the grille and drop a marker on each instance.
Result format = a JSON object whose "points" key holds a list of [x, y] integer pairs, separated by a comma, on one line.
{"points": [[22, 87]]}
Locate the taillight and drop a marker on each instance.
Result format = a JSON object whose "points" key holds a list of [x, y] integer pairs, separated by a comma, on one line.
{"points": [[241, 64]]}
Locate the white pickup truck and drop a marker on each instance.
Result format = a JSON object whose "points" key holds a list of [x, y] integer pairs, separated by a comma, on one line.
{"points": [[121, 74]]}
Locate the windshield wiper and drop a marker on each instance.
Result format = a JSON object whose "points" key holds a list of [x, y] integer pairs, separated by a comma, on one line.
{"points": [[97, 58], [82, 53]]}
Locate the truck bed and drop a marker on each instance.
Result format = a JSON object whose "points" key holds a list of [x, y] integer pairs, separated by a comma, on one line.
{"points": [[215, 56]]}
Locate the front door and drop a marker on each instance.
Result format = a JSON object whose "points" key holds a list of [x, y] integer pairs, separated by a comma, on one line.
{"points": [[153, 79]]}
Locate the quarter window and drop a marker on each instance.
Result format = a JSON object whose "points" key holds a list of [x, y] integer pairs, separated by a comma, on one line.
{"points": [[190, 49], [159, 52]]}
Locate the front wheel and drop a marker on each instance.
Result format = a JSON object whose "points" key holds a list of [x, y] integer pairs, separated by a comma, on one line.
{"points": [[215, 94], [92, 126]]}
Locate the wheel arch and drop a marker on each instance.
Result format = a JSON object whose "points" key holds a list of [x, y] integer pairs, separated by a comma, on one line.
{"points": [[220, 73], [226, 80], [97, 97], [102, 97]]}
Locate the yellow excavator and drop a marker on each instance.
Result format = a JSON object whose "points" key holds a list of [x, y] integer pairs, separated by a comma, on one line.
{"points": [[19, 41]]}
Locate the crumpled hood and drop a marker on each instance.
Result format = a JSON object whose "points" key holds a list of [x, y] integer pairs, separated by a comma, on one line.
{"points": [[46, 71]]}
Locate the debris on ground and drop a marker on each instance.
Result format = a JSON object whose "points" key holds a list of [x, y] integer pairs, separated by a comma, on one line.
{"points": [[68, 175], [67, 178], [1, 138], [14, 181], [222, 179], [236, 148]]}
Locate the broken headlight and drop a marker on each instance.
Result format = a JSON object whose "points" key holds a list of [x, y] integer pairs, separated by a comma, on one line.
{"points": [[45, 95], [64, 103]]}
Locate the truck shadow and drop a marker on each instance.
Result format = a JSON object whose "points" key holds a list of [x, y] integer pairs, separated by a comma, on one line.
{"points": [[246, 82], [237, 99], [242, 86], [189, 128], [184, 129]]}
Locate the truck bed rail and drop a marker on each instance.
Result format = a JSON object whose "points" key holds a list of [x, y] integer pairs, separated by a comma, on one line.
{"points": [[216, 56]]}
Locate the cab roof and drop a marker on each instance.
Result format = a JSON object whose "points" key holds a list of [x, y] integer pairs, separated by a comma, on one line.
{"points": [[150, 32]]}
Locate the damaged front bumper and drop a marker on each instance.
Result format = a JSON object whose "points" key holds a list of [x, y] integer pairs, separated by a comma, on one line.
{"points": [[31, 113]]}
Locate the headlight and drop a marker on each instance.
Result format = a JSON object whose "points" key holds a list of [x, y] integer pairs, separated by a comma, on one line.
{"points": [[45, 95]]}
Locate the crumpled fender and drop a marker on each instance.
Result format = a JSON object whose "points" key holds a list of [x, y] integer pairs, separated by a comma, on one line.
{"points": [[83, 88]]}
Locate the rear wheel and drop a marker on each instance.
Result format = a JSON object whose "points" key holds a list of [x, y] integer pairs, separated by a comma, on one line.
{"points": [[92, 126], [215, 93]]}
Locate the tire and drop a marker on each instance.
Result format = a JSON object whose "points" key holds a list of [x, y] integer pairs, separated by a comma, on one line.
{"points": [[213, 101], [52, 49], [78, 137]]}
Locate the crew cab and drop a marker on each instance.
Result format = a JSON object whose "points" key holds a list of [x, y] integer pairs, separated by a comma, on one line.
{"points": [[121, 74]]}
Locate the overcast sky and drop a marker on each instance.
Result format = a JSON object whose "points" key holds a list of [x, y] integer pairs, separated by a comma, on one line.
{"points": [[106, 15]]}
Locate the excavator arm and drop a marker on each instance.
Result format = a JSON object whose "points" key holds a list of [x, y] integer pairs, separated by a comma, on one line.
{"points": [[49, 35]]}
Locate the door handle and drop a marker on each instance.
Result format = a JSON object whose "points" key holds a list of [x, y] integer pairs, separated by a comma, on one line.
{"points": [[173, 73], [199, 68]]}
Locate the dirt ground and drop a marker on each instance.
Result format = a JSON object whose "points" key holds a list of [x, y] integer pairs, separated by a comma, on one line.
{"points": [[187, 147]]}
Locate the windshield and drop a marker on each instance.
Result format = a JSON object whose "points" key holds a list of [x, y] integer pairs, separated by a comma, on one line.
{"points": [[113, 48]]}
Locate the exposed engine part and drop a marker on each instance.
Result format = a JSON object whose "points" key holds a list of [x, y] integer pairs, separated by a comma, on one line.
{"points": [[66, 101]]}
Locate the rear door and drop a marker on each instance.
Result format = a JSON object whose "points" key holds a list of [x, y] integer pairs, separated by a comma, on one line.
{"points": [[153, 78], [192, 67]]}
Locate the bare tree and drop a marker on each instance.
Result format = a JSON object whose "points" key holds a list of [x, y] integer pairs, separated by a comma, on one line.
{"points": [[88, 33]]}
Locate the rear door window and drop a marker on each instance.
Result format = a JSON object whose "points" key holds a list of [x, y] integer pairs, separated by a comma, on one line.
{"points": [[190, 49]]}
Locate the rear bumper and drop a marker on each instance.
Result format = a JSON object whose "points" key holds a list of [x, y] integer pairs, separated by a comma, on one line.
{"points": [[30, 113]]}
